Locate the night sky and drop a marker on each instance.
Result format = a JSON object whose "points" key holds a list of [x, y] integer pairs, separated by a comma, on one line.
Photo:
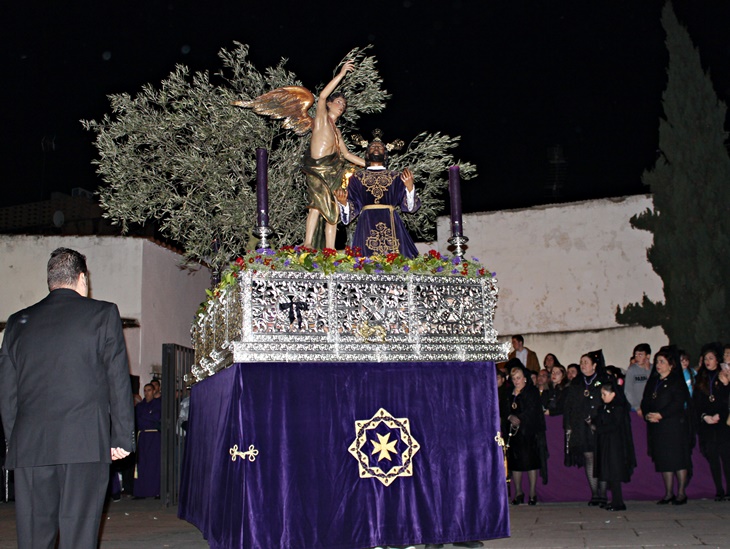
{"points": [[511, 77]]}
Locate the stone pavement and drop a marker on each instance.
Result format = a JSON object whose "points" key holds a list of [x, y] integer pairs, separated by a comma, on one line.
{"points": [[145, 524]]}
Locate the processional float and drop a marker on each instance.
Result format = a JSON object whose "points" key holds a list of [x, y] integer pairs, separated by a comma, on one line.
{"points": [[310, 358]]}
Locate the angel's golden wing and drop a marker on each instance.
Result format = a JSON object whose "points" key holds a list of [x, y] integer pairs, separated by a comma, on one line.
{"points": [[290, 103]]}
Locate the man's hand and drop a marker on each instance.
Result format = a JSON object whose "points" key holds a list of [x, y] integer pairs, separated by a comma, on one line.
{"points": [[407, 178], [653, 417], [119, 453], [341, 196]]}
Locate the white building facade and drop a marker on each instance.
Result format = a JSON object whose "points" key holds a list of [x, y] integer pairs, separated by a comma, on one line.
{"points": [[562, 270], [145, 280]]}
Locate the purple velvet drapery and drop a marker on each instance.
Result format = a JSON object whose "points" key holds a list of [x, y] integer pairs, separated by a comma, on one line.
{"points": [[304, 489]]}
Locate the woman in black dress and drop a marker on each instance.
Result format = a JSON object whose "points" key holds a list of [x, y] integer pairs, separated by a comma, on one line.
{"points": [[559, 382], [665, 408], [581, 408], [543, 388], [710, 399], [525, 424], [504, 389], [615, 456]]}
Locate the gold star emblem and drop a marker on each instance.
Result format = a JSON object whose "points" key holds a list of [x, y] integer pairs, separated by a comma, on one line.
{"points": [[384, 447]]}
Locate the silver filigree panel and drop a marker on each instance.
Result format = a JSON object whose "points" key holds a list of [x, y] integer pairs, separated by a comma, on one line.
{"points": [[360, 303], [289, 306], [449, 309], [285, 316]]}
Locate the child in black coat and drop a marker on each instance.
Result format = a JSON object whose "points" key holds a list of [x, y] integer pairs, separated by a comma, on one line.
{"points": [[615, 457]]}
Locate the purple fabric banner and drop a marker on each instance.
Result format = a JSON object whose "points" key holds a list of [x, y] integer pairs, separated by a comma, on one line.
{"points": [[570, 484], [321, 480]]}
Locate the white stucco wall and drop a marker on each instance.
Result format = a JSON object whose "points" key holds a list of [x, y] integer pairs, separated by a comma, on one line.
{"points": [[562, 271], [141, 277], [166, 282], [115, 269]]}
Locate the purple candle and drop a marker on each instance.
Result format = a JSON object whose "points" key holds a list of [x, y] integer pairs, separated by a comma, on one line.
{"points": [[455, 193], [262, 187]]}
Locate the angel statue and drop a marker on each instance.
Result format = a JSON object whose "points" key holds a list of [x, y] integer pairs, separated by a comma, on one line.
{"points": [[329, 158]]}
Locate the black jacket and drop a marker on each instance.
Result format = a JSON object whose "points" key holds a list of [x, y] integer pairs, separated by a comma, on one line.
{"points": [[65, 395]]}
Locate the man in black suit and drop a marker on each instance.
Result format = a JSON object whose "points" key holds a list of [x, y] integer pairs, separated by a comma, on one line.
{"points": [[62, 436]]}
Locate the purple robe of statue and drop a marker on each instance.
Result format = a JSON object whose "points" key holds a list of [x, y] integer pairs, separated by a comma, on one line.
{"points": [[147, 475], [375, 194]]}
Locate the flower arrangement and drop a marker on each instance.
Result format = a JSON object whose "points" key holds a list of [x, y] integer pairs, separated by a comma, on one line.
{"points": [[350, 260]]}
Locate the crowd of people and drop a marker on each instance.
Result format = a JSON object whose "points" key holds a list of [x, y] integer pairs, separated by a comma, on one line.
{"points": [[682, 406]]}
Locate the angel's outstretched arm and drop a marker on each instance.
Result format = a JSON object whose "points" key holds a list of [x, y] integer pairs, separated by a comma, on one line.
{"points": [[349, 66], [321, 112]]}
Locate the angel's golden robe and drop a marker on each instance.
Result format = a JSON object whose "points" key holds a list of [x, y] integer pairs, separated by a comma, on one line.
{"points": [[324, 176]]}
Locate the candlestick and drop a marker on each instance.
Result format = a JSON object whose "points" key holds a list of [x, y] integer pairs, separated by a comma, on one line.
{"points": [[262, 187], [458, 242], [264, 234], [455, 193]]}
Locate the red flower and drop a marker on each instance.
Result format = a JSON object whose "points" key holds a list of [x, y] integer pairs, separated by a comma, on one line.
{"points": [[240, 261]]}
